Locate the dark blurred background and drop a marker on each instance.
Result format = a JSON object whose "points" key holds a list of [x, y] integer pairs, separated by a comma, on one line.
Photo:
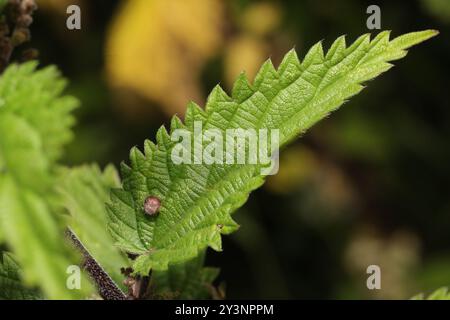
{"points": [[369, 185]]}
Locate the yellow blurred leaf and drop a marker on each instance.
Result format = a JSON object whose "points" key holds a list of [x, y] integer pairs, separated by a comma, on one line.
{"points": [[261, 18], [244, 53], [157, 48], [248, 49]]}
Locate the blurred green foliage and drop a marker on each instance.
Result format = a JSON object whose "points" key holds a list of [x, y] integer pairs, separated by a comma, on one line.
{"points": [[371, 185]]}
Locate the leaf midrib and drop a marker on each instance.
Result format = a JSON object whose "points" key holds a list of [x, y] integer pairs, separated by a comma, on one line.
{"points": [[266, 111]]}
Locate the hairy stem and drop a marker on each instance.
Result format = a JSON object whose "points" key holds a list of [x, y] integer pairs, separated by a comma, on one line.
{"points": [[107, 288]]}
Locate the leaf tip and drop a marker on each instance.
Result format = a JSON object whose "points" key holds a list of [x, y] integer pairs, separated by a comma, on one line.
{"points": [[410, 39]]}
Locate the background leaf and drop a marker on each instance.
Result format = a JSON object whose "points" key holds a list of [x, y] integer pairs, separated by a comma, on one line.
{"points": [[84, 192], [440, 294], [189, 280], [10, 281], [155, 46], [35, 123]]}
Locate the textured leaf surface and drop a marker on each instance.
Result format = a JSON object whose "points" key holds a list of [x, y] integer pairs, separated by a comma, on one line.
{"points": [[11, 287], [189, 280], [84, 192], [35, 96], [34, 125], [198, 200]]}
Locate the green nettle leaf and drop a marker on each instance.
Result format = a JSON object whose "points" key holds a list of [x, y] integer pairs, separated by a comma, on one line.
{"points": [[34, 126], [11, 287], [189, 280], [84, 192], [36, 97], [440, 294], [198, 199]]}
